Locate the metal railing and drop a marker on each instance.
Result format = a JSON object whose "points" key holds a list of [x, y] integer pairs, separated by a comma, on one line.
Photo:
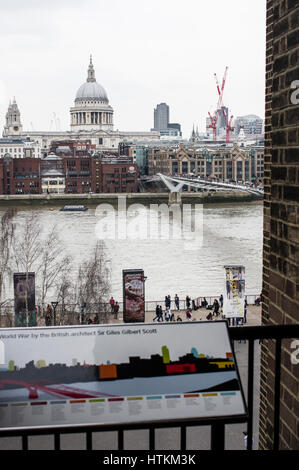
{"points": [[248, 333]]}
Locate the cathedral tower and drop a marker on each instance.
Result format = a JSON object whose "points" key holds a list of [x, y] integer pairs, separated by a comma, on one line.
{"points": [[13, 126]]}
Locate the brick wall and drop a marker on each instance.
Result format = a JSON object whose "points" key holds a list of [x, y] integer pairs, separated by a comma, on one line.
{"points": [[281, 218]]}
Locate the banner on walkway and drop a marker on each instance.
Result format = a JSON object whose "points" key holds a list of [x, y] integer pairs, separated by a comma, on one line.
{"points": [[133, 295], [234, 297], [24, 299]]}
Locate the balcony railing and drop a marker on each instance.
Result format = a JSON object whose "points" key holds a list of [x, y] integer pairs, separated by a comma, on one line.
{"points": [[252, 334]]}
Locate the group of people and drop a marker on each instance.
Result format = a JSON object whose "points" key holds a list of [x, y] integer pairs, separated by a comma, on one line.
{"points": [[114, 307], [177, 302], [168, 315]]}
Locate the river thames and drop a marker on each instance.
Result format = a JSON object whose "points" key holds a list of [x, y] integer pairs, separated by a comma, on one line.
{"points": [[227, 234]]}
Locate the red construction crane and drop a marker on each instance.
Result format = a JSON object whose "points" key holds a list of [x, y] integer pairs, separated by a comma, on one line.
{"points": [[214, 119], [213, 125], [228, 123]]}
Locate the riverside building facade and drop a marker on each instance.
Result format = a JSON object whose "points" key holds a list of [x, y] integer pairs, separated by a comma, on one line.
{"points": [[232, 163], [19, 147], [57, 174]]}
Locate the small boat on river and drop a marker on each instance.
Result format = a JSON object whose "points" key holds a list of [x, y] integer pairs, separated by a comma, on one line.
{"points": [[74, 208]]}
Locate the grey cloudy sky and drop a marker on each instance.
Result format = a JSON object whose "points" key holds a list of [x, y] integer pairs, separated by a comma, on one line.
{"points": [[144, 52]]}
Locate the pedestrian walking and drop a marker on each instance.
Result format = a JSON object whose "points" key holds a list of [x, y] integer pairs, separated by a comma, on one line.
{"points": [[177, 301], [188, 302], [216, 308], [48, 316], [158, 314], [115, 310], [111, 301], [221, 301], [83, 305], [188, 314], [245, 311], [167, 314]]}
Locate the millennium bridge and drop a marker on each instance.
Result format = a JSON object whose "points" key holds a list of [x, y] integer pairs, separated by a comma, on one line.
{"points": [[177, 184]]}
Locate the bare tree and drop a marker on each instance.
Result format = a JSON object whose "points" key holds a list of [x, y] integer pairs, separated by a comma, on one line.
{"points": [[93, 284], [65, 295], [26, 251], [46, 257], [7, 226], [52, 264], [27, 244]]}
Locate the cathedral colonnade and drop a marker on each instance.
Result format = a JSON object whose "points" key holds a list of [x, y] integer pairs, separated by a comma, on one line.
{"points": [[91, 117]]}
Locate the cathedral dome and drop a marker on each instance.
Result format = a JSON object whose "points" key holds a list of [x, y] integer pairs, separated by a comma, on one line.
{"points": [[92, 110], [91, 89]]}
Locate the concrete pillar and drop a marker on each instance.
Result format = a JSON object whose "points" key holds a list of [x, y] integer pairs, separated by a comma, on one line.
{"points": [[174, 198]]}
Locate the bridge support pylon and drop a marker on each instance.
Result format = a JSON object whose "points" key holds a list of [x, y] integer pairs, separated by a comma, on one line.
{"points": [[174, 198]]}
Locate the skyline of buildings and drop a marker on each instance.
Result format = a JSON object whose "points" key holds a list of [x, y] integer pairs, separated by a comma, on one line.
{"points": [[93, 116], [92, 121]]}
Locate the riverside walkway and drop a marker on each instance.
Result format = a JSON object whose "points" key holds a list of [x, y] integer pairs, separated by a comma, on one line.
{"points": [[253, 315], [72, 315]]}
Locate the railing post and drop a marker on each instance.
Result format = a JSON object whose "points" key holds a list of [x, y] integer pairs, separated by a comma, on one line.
{"points": [[120, 439], [277, 394], [88, 440], [250, 392], [217, 437], [152, 442], [183, 438], [56, 440], [24, 442]]}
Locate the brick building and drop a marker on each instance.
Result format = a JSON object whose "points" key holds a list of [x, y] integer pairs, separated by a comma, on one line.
{"points": [[68, 174], [20, 176], [118, 175], [281, 218], [78, 174]]}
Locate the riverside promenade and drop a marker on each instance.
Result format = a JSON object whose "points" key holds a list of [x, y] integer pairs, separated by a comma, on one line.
{"points": [[253, 315], [73, 316]]}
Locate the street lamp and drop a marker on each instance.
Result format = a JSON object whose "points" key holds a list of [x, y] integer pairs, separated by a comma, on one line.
{"points": [[54, 305]]}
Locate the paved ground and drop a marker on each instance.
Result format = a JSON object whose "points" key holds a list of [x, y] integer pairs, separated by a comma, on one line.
{"points": [[198, 438], [253, 315]]}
